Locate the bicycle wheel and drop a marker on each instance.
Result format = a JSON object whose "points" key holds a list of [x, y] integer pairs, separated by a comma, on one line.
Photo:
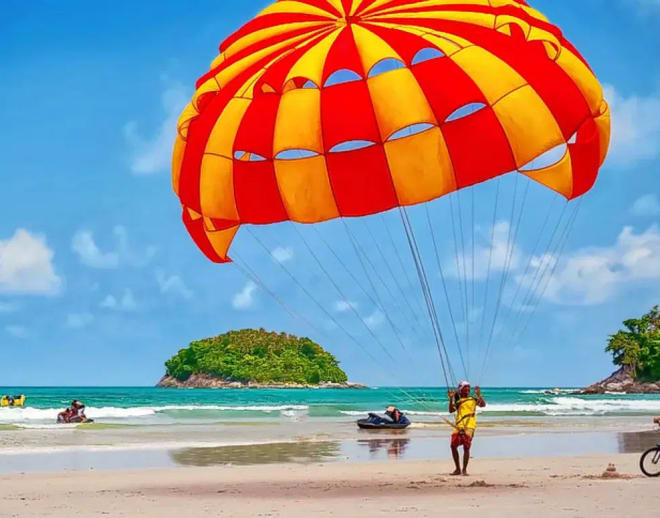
{"points": [[650, 462]]}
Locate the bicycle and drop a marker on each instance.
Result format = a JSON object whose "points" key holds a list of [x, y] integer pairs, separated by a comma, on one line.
{"points": [[650, 461]]}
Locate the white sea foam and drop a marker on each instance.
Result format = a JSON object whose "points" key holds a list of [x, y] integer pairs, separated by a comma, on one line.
{"points": [[549, 391], [553, 406], [379, 412], [27, 414], [576, 406]]}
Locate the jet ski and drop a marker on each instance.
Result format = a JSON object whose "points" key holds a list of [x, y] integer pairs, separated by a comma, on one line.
{"points": [[74, 420], [377, 422]]}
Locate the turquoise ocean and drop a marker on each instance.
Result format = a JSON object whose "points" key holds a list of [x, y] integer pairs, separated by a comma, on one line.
{"points": [[156, 406]]}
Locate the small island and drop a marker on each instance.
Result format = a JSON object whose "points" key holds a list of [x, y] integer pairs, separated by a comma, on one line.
{"points": [[251, 358], [636, 350]]}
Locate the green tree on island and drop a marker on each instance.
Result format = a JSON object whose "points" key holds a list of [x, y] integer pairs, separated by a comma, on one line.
{"points": [[638, 347], [257, 356]]}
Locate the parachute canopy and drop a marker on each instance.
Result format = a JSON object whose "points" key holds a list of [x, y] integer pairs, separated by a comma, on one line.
{"points": [[319, 109]]}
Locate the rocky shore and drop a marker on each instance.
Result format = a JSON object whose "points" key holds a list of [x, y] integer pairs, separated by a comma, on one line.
{"points": [[207, 381], [622, 381]]}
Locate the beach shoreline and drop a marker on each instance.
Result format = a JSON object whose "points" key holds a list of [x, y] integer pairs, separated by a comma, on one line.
{"points": [[158, 447], [268, 454], [546, 487]]}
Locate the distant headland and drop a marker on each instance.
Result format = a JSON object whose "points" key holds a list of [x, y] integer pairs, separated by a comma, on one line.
{"points": [[251, 358], [636, 351]]}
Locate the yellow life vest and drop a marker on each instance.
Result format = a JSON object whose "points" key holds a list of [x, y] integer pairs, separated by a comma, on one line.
{"points": [[466, 413]]}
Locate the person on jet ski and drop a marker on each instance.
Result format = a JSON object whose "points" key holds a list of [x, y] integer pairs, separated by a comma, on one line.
{"points": [[77, 412], [74, 414], [392, 416], [64, 415], [396, 416]]}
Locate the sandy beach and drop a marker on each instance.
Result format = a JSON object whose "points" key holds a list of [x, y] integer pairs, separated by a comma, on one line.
{"points": [[546, 487], [301, 454], [548, 466]]}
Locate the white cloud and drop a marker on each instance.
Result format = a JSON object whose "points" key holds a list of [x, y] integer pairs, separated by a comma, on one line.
{"points": [[499, 250], [635, 127], [646, 205], [375, 319], [17, 332], [153, 154], [345, 305], [109, 302], [79, 320], [594, 275], [173, 285], [129, 254], [125, 303], [244, 299], [85, 246], [128, 301], [646, 6], [282, 255], [26, 265], [8, 307]]}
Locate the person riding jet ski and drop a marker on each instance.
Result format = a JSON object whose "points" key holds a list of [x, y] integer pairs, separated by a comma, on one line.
{"points": [[393, 416], [74, 414], [397, 416]]}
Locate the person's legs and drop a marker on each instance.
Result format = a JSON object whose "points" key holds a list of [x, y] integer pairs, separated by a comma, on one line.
{"points": [[467, 444], [455, 443], [457, 463], [466, 458]]}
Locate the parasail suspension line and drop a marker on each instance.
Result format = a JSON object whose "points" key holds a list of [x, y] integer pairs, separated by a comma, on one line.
{"points": [[362, 257], [311, 297], [465, 279], [404, 297], [342, 295], [404, 270], [490, 258], [527, 271], [459, 271], [514, 224], [444, 287], [559, 252], [376, 302], [428, 297], [250, 274]]}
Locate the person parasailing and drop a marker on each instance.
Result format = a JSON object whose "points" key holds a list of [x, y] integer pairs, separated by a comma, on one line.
{"points": [[465, 407], [310, 118]]}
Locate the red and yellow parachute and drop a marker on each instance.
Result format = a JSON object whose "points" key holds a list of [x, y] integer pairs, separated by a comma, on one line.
{"points": [[318, 109]]}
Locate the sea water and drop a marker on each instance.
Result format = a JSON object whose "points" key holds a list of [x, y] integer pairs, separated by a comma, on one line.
{"points": [[145, 427], [153, 406]]}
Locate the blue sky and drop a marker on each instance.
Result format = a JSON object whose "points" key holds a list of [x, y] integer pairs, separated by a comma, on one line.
{"points": [[99, 282]]}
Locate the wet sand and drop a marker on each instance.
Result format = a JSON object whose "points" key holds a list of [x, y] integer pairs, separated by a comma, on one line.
{"points": [[548, 467], [542, 487], [362, 446]]}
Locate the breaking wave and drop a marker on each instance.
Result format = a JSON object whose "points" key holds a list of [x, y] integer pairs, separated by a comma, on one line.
{"points": [[556, 406], [28, 414]]}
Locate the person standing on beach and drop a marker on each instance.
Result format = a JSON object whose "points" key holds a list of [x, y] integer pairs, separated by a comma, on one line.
{"points": [[465, 407]]}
